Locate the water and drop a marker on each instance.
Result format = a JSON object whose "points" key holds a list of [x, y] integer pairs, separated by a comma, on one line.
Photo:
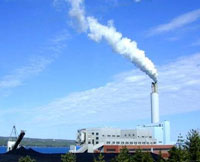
{"points": [[2, 149], [47, 150]]}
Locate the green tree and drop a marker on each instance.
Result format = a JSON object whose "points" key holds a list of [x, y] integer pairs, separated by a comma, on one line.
{"points": [[123, 156], [100, 158], [146, 157], [26, 159], [113, 160], [68, 157], [160, 158], [192, 145], [140, 156], [177, 155]]}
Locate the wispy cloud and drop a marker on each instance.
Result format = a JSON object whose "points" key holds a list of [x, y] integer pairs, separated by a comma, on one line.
{"points": [[127, 98], [19, 75], [177, 22], [196, 43], [36, 64], [128, 94], [113, 3], [59, 4], [137, 0], [172, 38], [55, 2]]}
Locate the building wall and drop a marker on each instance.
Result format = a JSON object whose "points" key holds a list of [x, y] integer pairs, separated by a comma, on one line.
{"points": [[146, 148], [116, 136], [152, 134], [161, 132], [166, 129], [158, 134]]}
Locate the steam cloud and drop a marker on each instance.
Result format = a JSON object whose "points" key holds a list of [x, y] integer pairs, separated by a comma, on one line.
{"points": [[119, 44]]}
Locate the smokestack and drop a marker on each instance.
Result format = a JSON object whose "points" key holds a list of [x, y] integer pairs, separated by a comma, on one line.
{"points": [[154, 103]]}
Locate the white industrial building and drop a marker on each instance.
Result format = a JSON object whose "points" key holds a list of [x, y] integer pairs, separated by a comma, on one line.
{"points": [[156, 133]]}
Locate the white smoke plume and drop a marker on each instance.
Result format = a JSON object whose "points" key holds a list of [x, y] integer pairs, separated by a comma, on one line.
{"points": [[77, 12], [119, 44]]}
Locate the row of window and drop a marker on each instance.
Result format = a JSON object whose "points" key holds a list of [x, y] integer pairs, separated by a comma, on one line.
{"points": [[133, 150], [129, 135], [129, 143], [89, 142], [111, 135], [130, 150]]}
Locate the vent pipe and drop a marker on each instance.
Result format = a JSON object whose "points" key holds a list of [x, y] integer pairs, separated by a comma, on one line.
{"points": [[154, 103]]}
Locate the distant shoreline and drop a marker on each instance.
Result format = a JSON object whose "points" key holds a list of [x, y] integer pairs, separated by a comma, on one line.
{"points": [[37, 142]]}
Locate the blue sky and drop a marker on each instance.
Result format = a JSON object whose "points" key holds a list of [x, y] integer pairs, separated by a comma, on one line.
{"points": [[55, 79]]}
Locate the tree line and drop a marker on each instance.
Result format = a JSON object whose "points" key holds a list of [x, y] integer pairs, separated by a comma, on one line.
{"points": [[188, 152]]}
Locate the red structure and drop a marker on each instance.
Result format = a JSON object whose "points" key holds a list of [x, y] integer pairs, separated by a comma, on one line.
{"points": [[146, 148]]}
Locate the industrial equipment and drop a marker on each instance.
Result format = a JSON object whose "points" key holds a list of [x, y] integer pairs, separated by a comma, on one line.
{"points": [[13, 142]]}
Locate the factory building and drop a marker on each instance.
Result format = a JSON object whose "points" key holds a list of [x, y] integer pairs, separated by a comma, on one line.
{"points": [[152, 137]]}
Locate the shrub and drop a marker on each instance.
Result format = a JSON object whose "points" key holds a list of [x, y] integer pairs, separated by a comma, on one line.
{"points": [[68, 157], [26, 159], [100, 158]]}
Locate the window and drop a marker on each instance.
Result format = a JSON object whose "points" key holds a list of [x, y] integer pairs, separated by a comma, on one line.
{"points": [[154, 142], [103, 135], [133, 134], [118, 135], [131, 150], [118, 142], [111, 150], [97, 138], [122, 142], [92, 133], [150, 136], [113, 135], [139, 142], [129, 135], [97, 142], [89, 142], [125, 135], [135, 143], [147, 143], [127, 142], [113, 142], [108, 135], [143, 142], [131, 143], [97, 133], [164, 149], [142, 136], [108, 142]]}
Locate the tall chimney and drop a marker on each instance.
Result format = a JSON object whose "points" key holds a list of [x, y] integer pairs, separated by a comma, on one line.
{"points": [[154, 103]]}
